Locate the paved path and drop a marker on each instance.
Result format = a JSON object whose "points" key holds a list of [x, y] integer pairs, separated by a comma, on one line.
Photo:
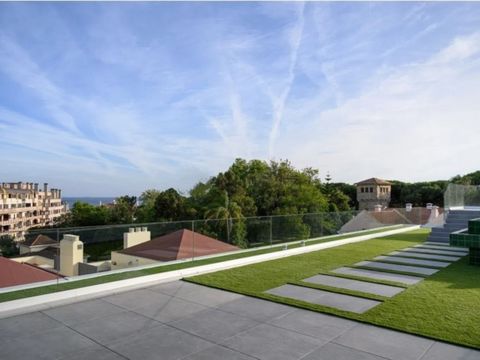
{"points": [[180, 320], [380, 268]]}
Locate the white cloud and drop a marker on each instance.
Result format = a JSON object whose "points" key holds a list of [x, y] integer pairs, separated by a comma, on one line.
{"points": [[417, 122]]}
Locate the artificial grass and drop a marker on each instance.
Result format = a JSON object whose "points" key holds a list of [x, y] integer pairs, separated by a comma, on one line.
{"points": [[20, 294], [444, 306]]}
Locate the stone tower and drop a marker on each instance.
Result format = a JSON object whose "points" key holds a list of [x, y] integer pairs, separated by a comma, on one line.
{"points": [[373, 194]]}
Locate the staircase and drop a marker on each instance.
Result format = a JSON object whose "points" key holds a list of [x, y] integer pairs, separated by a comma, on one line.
{"points": [[456, 220]]}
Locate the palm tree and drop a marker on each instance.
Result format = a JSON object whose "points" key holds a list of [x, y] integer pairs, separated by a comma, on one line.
{"points": [[229, 211]]}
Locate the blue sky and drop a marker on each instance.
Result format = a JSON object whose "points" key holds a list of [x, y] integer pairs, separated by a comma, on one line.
{"points": [[105, 99]]}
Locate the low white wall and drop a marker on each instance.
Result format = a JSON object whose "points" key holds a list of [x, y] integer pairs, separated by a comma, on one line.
{"points": [[122, 261]]}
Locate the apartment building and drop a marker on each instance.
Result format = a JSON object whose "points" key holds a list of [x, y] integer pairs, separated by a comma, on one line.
{"points": [[25, 205]]}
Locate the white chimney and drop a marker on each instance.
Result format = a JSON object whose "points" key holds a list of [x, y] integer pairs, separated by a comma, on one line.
{"points": [[71, 254], [408, 207], [135, 236]]}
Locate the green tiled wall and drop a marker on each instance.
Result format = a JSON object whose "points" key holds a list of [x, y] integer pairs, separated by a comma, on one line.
{"points": [[474, 256], [470, 239], [474, 226]]}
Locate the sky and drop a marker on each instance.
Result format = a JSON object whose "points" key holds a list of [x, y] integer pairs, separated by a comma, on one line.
{"points": [[106, 99]]}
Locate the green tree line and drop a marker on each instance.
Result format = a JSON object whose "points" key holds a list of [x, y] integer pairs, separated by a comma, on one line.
{"points": [[254, 189]]}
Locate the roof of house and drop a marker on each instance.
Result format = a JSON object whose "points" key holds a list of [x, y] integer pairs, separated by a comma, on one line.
{"points": [[49, 252], [177, 245], [39, 240], [374, 181], [13, 273]]}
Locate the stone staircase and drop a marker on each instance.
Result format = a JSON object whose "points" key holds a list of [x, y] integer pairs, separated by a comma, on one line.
{"points": [[456, 220]]}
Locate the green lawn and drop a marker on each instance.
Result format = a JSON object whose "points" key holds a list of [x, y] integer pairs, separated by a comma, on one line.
{"points": [[19, 294], [445, 306]]}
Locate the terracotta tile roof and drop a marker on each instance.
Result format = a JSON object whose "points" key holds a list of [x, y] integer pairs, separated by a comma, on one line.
{"points": [[13, 273], [417, 215], [389, 217], [178, 245], [374, 181], [39, 240]]}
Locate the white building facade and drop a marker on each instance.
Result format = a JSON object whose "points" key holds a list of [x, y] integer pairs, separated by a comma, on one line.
{"points": [[25, 205]]}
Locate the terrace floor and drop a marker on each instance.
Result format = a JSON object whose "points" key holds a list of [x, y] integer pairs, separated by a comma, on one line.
{"points": [[181, 320]]}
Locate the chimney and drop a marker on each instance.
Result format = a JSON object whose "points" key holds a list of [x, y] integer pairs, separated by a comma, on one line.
{"points": [[136, 236], [408, 207], [71, 254]]}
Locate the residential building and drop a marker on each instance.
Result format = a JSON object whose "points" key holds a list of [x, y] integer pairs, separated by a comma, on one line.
{"points": [[373, 194], [181, 244], [24, 205]]}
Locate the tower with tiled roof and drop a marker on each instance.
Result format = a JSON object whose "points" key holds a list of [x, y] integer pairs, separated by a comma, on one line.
{"points": [[373, 194]]}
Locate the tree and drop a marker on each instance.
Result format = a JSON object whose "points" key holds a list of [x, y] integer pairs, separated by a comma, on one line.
{"points": [[170, 205], [145, 212], [83, 214], [8, 247], [226, 212], [123, 210]]}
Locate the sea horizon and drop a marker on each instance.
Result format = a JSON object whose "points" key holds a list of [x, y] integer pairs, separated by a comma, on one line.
{"points": [[92, 200]]}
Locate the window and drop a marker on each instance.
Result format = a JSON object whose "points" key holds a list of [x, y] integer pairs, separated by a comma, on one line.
{"points": [[362, 189], [371, 189]]}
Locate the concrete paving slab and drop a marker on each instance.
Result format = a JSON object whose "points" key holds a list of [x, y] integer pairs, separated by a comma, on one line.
{"points": [[317, 325], [218, 353], [31, 324], [137, 298], [404, 260], [162, 342], [214, 325], [49, 344], [326, 298], [441, 350], [268, 342], [404, 279], [338, 352], [83, 311], [202, 295], [434, 251], [390, 344], [406, 268], [94, 353], [173, 310], [115, 327], [357, 285], [446, 248], [425, 256], [256, 309]]}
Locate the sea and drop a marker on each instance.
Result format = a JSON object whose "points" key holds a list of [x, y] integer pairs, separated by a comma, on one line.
{"points": [[89, 200]]}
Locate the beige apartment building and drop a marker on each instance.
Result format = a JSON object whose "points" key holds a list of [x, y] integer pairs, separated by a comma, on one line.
{"points": [[24, 205]]}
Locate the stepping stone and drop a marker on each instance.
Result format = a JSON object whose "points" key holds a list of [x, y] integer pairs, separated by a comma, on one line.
{"points": [[425, 256], [378, 275], [357, 285], [446, 248], [403, 260], [405, 268], [326, 298], [437, 252]]}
